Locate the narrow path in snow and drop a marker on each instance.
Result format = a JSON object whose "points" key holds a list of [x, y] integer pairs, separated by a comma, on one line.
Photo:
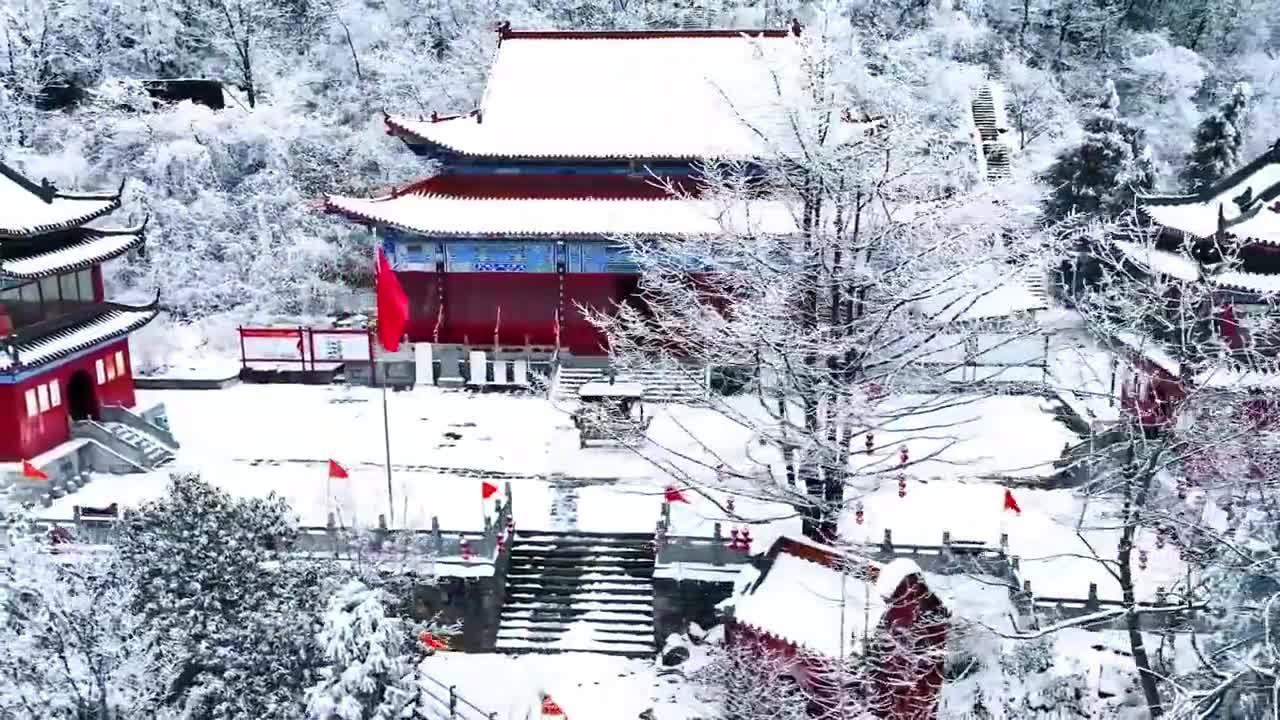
{"points": [[436, 470]]}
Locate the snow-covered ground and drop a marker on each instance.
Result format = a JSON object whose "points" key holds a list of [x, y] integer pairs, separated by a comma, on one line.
{"points": [[584, 685]]}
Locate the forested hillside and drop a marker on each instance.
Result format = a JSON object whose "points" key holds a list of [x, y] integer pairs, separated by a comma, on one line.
{"points": [[232, 195]]}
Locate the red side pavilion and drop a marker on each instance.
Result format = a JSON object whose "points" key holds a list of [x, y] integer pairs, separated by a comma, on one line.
{"points": [[894, 628], [64, 352]]}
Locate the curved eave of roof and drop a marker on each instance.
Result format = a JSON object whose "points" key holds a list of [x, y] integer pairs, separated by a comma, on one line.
{"points": [[11, 344], [370, 220], [113, 203], [1272, 155], [411, 137], [136, 233]]}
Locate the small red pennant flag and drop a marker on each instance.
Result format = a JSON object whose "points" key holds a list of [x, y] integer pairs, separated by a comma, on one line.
{"points": [[337, 471], [550, 708], [673, 495], [1010, 503], [31, 471], [432, 642], [487, 490]]}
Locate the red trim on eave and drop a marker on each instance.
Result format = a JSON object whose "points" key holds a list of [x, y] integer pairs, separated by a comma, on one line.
{"points": [[831, 559], [545, 187], [506, 34]]}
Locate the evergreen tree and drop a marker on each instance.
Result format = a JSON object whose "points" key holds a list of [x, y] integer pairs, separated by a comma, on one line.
{"points": [[1217, 145], [371, 674], [1102, 175], [211, 579]]}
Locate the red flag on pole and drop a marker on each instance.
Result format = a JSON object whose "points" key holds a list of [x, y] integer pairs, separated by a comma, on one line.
{"points": [[1010, 503], [393, 305], [487, 490], [432, 642], [31, 471], [550, 709], [337, 471], [673, 495]]}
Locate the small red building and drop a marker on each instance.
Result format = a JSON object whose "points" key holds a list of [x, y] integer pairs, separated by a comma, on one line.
{"points": [[64, 352], [895, 627]]}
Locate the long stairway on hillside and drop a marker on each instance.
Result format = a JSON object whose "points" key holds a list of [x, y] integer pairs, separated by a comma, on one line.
{"points": [[994, 149], [577, 591], [674, 385]]}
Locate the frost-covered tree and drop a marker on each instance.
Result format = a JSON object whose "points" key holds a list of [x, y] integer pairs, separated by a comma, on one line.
{"points": [[213, 580], [1218, 141], [72, 646], [1101, 176], [371, 673], [826, 325]]}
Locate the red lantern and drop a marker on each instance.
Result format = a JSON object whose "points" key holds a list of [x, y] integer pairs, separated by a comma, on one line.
{"points": [[902, 454], [902, 486], [746, 540], [858, 514], [1142, 559], [466, 549], [733, 542], [870, 442], [729, 503]]}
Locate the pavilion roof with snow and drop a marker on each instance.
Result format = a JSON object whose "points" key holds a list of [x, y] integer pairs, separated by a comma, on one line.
{"points": [[43, 236], [1241, 210], [804, 592], [652, 94]]}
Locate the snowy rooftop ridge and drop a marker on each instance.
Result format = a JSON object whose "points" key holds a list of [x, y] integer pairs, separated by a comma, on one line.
{"points": [[641, 94], [28, 208], [95, 247], [1246, 204]]}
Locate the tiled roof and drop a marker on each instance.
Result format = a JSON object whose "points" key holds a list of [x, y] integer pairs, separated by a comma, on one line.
{"points": [[28, 208], [32, 260], [643, 95], [528, 208], [1245, 204], [45, 342]]}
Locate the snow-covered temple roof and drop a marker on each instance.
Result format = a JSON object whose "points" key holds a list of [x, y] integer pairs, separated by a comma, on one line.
{"points": [[1245, 204], [1182, 267], [529, 206], [44, 342], [805, 588], [28, 208], [624, 94], [28, 260]]}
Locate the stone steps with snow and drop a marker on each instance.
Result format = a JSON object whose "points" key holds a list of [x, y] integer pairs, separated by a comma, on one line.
{"points": [[154, 453], [578, 592]]}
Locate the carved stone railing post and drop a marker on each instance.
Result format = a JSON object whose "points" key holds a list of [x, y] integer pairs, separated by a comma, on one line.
{"points": [[717, 546], [437, 542]]}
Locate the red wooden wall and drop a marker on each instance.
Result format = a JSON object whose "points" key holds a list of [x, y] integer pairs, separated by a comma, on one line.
{"points": [[528, 302], [23, 437]]}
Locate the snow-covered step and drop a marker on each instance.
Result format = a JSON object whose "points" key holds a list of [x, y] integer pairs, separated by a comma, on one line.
{"points": [[632, 617], [578, 591], [537, 646]]}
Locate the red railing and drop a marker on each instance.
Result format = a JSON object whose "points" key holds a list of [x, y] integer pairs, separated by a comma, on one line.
{"points": [[303, 348]]}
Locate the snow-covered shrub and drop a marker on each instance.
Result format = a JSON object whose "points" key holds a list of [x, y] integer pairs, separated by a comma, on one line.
{"points": [[370, 672], [241, 614]]}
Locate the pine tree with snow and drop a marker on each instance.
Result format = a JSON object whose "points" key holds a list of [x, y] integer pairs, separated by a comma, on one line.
{"points": [[212, 580], [1102, 175], [1218, 140], [371, 673]]}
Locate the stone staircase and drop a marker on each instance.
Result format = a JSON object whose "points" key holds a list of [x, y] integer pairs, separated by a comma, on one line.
{"points": [[675, 385], [139, 447], [576, 591], [986, 118]]}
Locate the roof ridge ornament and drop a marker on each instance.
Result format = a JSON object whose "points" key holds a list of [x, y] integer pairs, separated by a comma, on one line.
{"points": [[796, 27]]}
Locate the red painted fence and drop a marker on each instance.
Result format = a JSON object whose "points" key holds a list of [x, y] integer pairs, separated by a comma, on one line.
{"points": [[303, 348]]}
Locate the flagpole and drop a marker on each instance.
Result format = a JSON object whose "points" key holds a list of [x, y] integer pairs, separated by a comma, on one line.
{"points": [[386, 426]]}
